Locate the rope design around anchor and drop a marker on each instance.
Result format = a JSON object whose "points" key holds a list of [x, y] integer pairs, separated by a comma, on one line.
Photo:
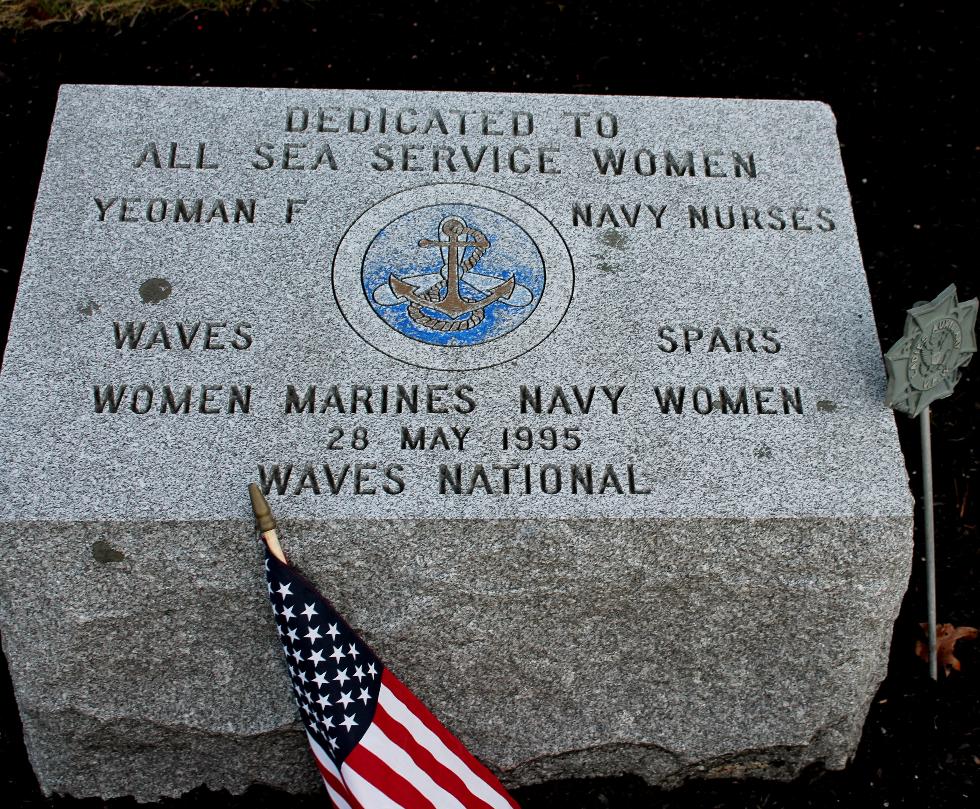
{"points": [[476, 316], [415, 312]]}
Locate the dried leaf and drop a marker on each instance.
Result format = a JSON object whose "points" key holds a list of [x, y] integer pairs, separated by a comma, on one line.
{"points": [[946, 637]]}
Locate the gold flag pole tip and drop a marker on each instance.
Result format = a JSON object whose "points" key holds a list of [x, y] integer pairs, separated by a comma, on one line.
{"points": [[265, 522]]}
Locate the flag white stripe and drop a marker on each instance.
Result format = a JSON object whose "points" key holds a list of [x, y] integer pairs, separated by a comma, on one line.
{"points": [[321, 755], [364, 792], [338, 801], [323, 758], [402, 763], [398, 711]]}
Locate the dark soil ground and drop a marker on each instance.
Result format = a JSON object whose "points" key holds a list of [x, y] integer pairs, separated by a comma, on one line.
{"points": [[901, 81]]}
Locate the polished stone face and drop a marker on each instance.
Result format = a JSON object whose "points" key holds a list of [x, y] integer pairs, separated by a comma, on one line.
{"points": [[573, 405]]}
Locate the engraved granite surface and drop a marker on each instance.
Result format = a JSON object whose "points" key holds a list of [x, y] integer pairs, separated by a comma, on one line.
{"points": [[572, 404]]}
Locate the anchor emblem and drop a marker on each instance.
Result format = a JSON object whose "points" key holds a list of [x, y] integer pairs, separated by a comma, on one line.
{"points": [[444, 300]]}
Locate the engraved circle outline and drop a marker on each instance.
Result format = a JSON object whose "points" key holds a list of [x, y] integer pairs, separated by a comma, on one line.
{"points": [[346, 279], [534, 244]]}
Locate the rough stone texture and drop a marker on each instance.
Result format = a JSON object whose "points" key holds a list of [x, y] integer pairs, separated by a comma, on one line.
{"points": [[733, 621]]}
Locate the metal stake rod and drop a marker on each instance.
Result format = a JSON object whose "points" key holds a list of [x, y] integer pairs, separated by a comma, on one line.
{"points": [[926, 441]]}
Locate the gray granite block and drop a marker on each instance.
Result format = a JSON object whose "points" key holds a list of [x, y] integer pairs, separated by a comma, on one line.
{"points": [[611, 485]]}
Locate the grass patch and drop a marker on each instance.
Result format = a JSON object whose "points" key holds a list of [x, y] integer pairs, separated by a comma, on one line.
{"points": [[24, 14]]}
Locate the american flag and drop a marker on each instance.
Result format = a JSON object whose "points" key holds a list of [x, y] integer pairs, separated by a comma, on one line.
{"points": [[375, 744]]}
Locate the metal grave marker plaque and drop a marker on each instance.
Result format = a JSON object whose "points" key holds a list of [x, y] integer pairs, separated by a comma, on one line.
{"points": [[573, 405]]}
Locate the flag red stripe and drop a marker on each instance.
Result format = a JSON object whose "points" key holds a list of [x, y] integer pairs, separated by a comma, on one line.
{"points": [[443, 776], [425, 716], [336, 784], [478, 785], [375, 771]]}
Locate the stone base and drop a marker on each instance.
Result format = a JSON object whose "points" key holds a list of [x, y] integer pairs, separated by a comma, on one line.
{"points": [[145, 660]]}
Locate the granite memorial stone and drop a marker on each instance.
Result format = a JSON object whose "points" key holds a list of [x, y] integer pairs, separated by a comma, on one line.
{"points": [[572, 404]]}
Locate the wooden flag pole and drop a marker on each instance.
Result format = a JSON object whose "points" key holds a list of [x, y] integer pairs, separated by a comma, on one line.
{"points": [[265, 522]]}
